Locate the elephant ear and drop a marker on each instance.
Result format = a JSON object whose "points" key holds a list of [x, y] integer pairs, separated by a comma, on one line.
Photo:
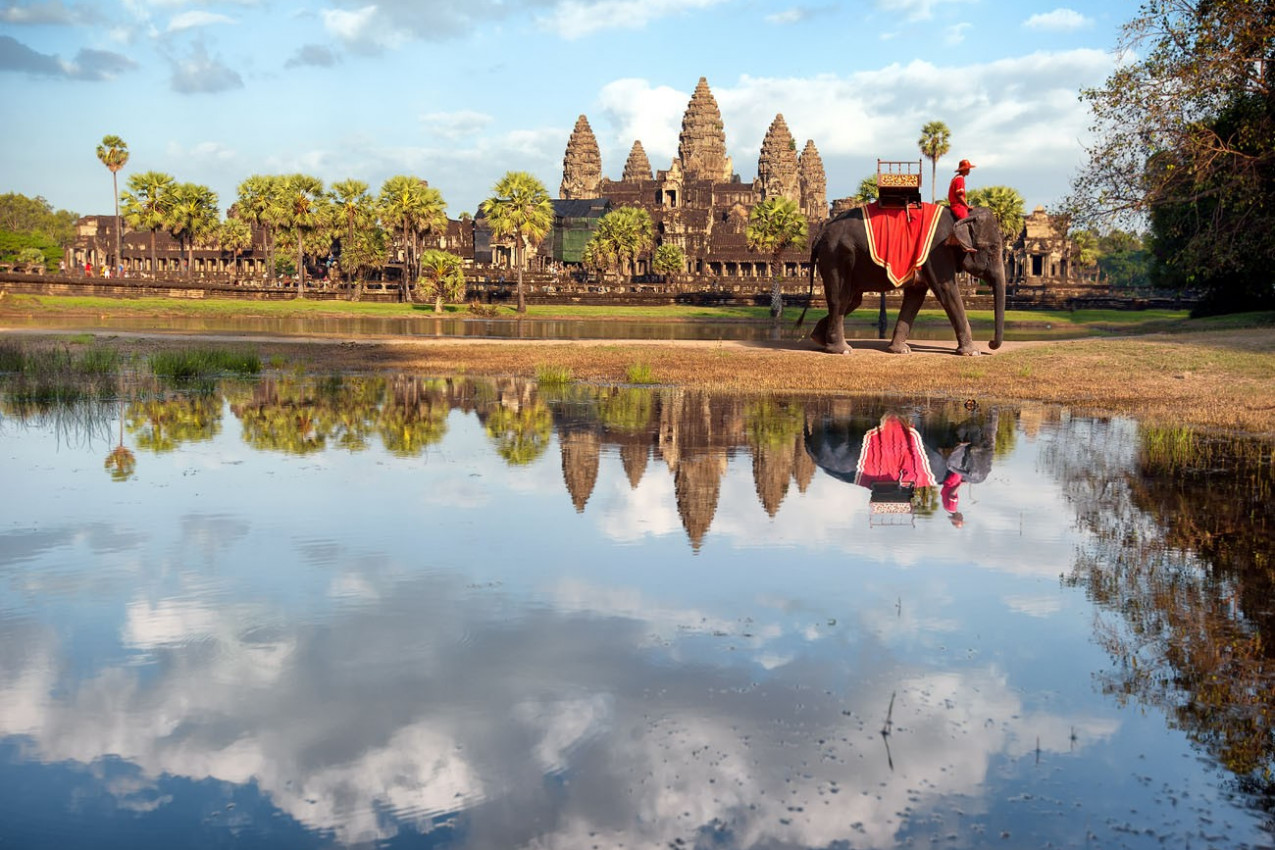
{"points": [[964, 234]]}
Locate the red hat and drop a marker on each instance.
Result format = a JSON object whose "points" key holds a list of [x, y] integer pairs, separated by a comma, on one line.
{"points": [[965, 165]]}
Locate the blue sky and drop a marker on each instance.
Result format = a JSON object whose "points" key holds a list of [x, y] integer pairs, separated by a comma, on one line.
{"points": [[460, 91]]}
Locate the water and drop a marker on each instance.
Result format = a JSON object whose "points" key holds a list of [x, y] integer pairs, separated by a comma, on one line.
{"points": [[424, 324], [457, 613]]}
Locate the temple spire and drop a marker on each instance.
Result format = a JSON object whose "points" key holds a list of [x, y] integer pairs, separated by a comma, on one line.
{"points": [[777, 170], [582, 163], [638, 166], [701, 146]]}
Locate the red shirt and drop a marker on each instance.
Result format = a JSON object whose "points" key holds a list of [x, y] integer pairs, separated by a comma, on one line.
{"points": [[956, 196]]}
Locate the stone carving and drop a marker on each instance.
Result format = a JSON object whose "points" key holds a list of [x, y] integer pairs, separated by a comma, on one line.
{"points": [[814, 184], [777, 170], [582, 164], [638, 167], [701, 146]]}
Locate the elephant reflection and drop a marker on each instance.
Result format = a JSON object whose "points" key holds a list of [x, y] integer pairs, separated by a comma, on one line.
{"points": [[895, 462]]}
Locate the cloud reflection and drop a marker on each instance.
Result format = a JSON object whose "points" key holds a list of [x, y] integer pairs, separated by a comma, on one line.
{"points": [[435, 700]]}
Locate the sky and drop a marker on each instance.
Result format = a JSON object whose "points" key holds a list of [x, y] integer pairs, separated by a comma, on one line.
{"points": [[458, 92]]}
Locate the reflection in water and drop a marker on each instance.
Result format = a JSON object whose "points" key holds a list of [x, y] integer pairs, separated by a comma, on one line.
{"points": [[303, 612]]}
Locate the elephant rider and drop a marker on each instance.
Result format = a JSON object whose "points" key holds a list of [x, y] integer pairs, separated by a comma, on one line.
{"points": [[956, 190]]}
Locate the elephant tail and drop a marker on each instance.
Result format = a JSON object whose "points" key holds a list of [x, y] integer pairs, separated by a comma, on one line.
{"points": [[814, 252]]}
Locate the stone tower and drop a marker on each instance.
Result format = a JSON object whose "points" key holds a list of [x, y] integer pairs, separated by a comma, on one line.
{"points": [[777, 170], [814, 184], [638, 166], [582, 164], [701, 146]]}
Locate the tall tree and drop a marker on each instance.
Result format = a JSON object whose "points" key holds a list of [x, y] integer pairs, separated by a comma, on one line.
{"points": [[934, 143], [354, 205], [774, 226], [113, 152], [519, 207], [146, 204], [1185, 133], [235, 234], [411, 207], [192, 217], [306, 205], [261, 202]]}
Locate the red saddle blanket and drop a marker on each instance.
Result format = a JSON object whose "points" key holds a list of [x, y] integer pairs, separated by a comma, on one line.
{"points": [[899, 239], [893, 453]]}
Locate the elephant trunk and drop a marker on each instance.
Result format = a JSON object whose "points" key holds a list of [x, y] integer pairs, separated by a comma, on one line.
{"points": [[998, 292]]}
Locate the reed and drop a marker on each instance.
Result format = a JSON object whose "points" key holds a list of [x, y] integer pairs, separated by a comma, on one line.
{"points": [[639, 373], [192, 364], [550, 375]]}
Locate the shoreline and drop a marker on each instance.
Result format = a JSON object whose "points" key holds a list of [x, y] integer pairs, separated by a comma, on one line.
{"points": [[1221, 381]]}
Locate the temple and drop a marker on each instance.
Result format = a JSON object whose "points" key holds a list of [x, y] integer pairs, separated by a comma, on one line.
{"points": [[698, 203]]}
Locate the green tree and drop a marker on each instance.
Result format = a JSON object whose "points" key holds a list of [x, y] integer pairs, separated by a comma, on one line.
{"points": [[365, 253], [934, 143], [35, 216], [669, 259], [1006, 205], [410, 206], [192, 217], [774, 226], [867, 192], [519, 208], [1185, 134], [261, 202], [113, 153], [355, 211], [442, 277], [306, 205], [1123, 260], [235, 234], [147, 202], [31, 258], [623, 235]]}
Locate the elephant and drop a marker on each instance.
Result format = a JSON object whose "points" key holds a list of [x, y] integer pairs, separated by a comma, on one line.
{"points": [[842, 257]]}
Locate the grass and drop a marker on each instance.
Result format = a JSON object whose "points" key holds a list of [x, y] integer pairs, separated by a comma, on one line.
{"points": [[192, 364], [1095, 321], [552, 376], [639, 373]]}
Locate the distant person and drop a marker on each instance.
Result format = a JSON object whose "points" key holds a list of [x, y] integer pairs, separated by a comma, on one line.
{"points": [[956, 190]]}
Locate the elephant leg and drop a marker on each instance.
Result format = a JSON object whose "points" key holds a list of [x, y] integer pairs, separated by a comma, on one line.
{"points": [[836, 337], [820, 332], [949, 296], [913, 297]]}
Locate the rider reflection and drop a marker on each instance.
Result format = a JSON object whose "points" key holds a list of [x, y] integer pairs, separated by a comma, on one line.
{"points": [[894, 460]]}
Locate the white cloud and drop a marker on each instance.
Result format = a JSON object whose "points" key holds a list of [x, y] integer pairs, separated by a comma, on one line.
{"points": [[190, 20], [576, 18], [956, 33], [1059, 20], [455, 125]]}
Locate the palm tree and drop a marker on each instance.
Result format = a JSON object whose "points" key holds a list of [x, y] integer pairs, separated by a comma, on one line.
{"points": [[147, 202], [353, 202], [625, 234], [192, 216], [261, 203], [113, 153], [775, 225], [1006, 205], [935, 141], [235, 234], [442, 277], [304, 200], [410, 205], [669, 259], [519, 207], [868, 191]]}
